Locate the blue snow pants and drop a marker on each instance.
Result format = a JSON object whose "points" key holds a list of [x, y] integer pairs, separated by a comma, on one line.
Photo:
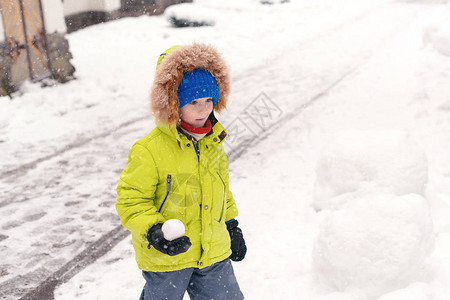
{"points": [[215, 282]]}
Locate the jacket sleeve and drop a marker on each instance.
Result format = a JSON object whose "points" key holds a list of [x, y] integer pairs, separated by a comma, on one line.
{"points": [[232, 210], [136, 193]]}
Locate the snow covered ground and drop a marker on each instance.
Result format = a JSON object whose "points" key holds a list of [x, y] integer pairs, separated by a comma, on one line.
{"points": [[323, 67]]}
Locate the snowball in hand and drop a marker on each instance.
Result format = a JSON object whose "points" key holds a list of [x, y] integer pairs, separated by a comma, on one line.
{"points": [[377, 244], [173, 229], [386, 161]]}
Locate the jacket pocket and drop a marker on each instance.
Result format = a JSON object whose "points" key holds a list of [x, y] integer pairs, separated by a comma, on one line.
{"points": [[220, 201]]}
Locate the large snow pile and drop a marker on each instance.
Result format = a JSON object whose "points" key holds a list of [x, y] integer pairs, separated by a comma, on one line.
{"points": [[377, 230], [376, 245], [5, 115], [368, 161], [437, 34], [416, 291]]}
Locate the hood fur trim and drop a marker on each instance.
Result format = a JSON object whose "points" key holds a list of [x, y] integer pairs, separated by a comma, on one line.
{"points": [[164, 95]]}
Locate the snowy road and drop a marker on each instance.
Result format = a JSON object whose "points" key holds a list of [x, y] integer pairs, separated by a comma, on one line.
{"points": [[57, 204]]}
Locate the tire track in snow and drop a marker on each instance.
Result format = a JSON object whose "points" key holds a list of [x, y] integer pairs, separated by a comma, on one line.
{"points": [[23, 169]]}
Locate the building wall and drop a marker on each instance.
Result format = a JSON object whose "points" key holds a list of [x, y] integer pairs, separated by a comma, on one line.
{"points": [[72, 7], [14, 71], [83, 13], [53, 16], [2, 31]]}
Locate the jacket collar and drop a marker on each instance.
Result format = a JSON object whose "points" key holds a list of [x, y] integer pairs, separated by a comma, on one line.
{"points": [[216, 136]]}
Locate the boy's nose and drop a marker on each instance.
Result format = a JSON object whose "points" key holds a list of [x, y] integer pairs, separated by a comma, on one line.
{"points": [[204, 107]]}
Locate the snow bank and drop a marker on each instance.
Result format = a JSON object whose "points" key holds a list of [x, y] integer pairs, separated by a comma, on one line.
{"points": [[416, 291], [190, 14], [5, 115], [376, 245], [437, 33], [439, 206], [369, 161]]}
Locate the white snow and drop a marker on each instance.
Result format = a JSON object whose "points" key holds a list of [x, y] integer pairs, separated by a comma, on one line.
{"points": [[377, 244], [415, 291], [437, 33], [326, 68], [173, 229], [371, 161], [191, 12]]}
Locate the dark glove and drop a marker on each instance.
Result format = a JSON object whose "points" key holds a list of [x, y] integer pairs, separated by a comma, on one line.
{"points": [[156, 239], [238, 247]]}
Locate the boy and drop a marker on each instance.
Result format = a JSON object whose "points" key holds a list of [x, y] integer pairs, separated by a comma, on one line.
{"points": [[180, 171]]}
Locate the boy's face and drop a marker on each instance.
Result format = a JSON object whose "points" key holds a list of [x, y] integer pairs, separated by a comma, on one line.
{"points": [[196, 113]]}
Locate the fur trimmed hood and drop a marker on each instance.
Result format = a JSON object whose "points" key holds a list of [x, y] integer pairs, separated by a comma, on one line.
{"points": [[169, 73]]}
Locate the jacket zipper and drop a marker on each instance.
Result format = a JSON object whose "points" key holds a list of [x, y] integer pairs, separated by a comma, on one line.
{"points": [[168, 185], [197, 150]]}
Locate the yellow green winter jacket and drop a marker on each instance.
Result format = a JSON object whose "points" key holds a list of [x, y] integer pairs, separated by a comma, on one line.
{"points": [[198, 195]]}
